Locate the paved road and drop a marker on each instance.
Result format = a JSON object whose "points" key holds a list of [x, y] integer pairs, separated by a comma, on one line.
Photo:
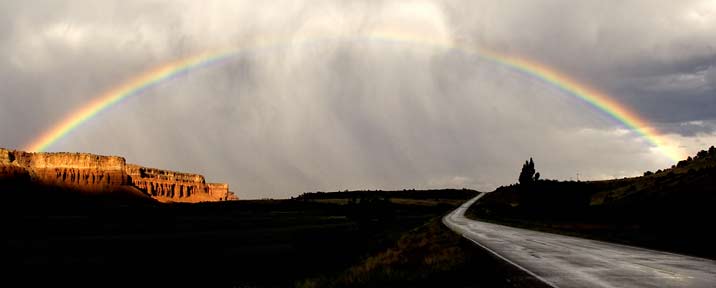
{"points": [[563, 261]]}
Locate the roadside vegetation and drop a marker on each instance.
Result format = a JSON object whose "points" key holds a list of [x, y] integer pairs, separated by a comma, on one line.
{"points": [[428, 256]]}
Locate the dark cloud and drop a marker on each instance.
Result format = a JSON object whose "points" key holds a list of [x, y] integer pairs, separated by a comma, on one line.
{"points": [[690, 129], [710, 77]]}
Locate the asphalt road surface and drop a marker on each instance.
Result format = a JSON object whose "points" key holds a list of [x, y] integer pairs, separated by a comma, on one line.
{"points": [[564, 261]]}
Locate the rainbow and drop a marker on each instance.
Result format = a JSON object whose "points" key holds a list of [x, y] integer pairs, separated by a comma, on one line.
{"points": [[167, 71]]}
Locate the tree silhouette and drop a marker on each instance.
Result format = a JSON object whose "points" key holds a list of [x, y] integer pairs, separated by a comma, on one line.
{"points": [[527, 175], [702, 154]]}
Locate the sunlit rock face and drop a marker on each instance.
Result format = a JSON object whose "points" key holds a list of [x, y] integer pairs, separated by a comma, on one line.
{"points": [[101, 174], [71, 170], [170, 186]]}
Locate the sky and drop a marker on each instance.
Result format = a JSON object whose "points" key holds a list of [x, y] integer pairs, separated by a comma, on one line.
{"points": [[327, 108]]}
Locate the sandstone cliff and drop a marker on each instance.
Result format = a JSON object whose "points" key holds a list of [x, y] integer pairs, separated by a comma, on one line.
{"points": [[176, 186], [95, 173]]}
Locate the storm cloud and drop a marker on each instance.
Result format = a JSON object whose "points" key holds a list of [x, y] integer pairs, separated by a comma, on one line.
{"points": [[325, 108]]}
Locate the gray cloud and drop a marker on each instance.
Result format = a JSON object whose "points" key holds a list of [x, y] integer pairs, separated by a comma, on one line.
{"points": [[340, 112], [710, 77], [691, 128]]}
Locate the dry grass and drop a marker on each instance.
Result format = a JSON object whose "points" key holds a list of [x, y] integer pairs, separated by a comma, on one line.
{"points": [[428, 250], [428, 256], [426, 202]]}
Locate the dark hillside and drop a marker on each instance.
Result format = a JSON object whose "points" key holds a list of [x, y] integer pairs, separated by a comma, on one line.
{"points": [[670, 209]]}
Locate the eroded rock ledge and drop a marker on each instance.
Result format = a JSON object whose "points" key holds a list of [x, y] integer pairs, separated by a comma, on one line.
{"points": [[96, 173]]}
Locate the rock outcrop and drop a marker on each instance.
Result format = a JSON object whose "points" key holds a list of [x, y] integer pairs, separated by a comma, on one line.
{"points": [[176, 186], [95, 173]]}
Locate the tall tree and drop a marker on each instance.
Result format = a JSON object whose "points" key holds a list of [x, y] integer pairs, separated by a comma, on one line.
{"points": [[527, 175]]}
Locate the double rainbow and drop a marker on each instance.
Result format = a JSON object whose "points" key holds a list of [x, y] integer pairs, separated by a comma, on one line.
{"points": [[150, 78]]}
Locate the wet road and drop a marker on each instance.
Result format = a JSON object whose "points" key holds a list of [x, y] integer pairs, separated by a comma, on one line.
{"points": [[564, 261]]}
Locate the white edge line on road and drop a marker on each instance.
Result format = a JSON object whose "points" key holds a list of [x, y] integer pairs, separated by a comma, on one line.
{"points": [[445, 220], [513, 263]]}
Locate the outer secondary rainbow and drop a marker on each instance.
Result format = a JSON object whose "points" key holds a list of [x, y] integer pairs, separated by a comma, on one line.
{"points": [[135, 86]]}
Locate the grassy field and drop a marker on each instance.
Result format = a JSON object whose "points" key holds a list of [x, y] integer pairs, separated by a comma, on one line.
{"points": [[308, 242]]}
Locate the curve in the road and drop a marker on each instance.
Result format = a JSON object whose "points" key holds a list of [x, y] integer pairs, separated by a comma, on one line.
{"points": [[564, 261]]}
